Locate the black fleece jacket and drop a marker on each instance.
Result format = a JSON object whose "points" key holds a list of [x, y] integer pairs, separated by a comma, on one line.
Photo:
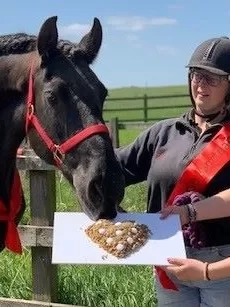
{"points": [[160, 154]]}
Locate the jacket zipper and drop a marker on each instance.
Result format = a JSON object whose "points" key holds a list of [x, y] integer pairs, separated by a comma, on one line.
{"points": [[197, 139]]}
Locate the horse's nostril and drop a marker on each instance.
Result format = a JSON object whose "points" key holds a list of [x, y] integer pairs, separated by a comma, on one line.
{"points": [[100, 199], [96, 190], [111, 214]]}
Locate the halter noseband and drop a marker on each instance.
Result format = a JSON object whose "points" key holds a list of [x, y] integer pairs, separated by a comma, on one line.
{"points": [[58, 150]]}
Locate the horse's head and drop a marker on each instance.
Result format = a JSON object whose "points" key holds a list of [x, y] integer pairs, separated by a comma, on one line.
{"points": [[68, 102]]}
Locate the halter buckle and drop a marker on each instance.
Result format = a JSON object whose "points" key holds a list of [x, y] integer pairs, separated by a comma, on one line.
{"points": [[30, 111], [58, 155]]}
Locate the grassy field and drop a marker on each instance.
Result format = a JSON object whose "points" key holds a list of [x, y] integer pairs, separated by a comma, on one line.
{"points": [[94, 286], [157, 92]]}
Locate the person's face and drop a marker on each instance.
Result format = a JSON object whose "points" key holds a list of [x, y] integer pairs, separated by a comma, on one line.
{"points": [[208, 90]]}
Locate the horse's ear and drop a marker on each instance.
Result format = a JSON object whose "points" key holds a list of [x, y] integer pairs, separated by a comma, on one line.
{"points": [[91, 42], [48, 37]]}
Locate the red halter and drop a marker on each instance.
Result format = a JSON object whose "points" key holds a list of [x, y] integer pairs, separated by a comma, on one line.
{"points": [[12, 239], [58, 150]]}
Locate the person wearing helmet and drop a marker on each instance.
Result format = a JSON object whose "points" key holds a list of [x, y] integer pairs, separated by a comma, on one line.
{"points": [[164, 151], [210, 62]]}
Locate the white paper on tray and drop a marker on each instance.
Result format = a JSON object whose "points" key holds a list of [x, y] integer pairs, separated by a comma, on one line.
{"points": [[72, 246]]}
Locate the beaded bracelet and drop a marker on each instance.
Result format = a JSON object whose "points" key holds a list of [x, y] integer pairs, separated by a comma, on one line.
{"points": [[206, 273], [191, 213]]}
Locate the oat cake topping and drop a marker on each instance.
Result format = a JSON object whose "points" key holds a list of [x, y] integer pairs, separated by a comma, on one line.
{"points": [[119, 239]]}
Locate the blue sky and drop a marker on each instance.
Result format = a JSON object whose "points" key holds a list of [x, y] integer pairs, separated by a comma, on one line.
{"points": [[145, 43]]}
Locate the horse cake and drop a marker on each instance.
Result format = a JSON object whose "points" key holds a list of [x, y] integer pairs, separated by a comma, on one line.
{"points": [[119, 239]]}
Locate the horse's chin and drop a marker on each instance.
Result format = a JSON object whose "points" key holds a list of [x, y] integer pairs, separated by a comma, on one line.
{"points": [[96, 211], [96, 199]]}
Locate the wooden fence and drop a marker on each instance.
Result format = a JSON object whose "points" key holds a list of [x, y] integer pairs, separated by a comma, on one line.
{"points": [[6, 302], [39, 235], [144, 107]]}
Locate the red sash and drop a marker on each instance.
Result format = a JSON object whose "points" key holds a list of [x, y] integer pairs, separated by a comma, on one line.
{"points": [[197, 175], [8, 215]]}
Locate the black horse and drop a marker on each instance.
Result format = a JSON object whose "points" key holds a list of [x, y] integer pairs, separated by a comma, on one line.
{"points": [[49, 92]]}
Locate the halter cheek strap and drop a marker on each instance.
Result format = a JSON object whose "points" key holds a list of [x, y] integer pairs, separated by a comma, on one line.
{"points": [[9, 215], [58, 150]]}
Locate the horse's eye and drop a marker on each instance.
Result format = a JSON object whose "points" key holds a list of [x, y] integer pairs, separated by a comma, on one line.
{"points": [[51, 97]]}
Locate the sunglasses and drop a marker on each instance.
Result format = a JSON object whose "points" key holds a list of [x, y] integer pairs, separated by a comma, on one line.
{"points": [[210, 79]]}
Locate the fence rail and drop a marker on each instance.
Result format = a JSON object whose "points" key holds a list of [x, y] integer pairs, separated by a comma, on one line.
{"points": [[144, 108], [147, 97], [7, 302], [39, 235]]}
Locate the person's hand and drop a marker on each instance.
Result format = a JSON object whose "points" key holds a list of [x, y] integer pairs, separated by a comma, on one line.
{"points": [[181, 210], [186, 269]]}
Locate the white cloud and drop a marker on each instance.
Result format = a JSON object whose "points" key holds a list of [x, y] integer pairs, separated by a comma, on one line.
{"points": [[138, 23], [166, 50], [74, 30]]}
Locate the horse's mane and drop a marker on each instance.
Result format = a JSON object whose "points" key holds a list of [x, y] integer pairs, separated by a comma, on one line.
{"points": [[19, 43]]}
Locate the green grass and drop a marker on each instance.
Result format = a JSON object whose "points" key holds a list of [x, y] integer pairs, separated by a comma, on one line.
{"points": [[94, 286], [104, 286], [135, 91], [153, 115]]}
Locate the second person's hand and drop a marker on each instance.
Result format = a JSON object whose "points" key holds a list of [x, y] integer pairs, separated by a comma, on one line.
{"points": [[181, 210], [186, 269]]}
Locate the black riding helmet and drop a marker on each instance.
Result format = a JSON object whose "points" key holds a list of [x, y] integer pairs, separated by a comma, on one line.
{"points": [[212, 55]]}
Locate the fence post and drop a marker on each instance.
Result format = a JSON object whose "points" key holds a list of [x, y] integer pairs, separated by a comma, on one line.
{"points": [[43, 205], [114, 132], [145, 108]]}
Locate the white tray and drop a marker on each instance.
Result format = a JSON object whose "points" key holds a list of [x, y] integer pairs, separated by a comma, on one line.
{"points": [[72, 246]]}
